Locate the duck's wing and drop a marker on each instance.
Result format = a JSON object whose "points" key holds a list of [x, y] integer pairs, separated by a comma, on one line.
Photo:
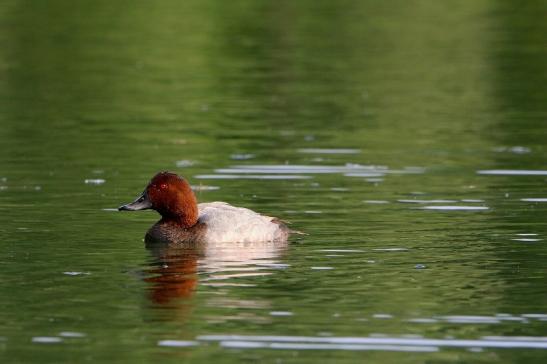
{"points": [[227, 223]]}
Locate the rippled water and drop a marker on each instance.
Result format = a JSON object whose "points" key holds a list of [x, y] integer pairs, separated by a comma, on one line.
{"points": [[406, 139]]}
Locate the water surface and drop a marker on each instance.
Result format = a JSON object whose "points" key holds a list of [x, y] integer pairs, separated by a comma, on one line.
{"points": [[406, 139]]}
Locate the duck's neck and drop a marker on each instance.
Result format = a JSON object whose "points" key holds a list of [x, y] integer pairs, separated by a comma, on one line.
{"points": [[181, 221], [186, 213]]}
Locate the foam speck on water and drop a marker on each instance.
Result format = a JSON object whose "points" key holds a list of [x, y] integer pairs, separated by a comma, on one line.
{"points": [[516, 149], [280, 313], [382, 316], [204, 188], [178, 343], [46, 339], [76, 273], [184, 163], [423, 320], [71, 334], [242, 156], [94, 181]]}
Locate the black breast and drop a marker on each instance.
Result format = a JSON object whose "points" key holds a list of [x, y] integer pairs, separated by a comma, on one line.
{"points": [[165, 232]]}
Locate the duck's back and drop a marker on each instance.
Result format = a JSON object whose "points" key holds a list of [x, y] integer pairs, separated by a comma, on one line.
{"points": [[226, 223]]}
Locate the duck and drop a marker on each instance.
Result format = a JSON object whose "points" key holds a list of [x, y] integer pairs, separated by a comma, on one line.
{"points": [[185, 221]]}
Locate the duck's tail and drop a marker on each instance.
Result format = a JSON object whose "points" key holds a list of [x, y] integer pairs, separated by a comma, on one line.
{"points": [[284, 225]]}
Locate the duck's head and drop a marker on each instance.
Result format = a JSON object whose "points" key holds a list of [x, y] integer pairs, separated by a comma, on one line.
{"points": [[171, 196]]}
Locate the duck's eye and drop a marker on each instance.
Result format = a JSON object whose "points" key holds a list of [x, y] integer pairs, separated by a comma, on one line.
{"points": [[163, 186]]}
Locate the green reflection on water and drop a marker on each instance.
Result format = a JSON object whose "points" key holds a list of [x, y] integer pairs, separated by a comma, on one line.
{"points": [[118, 91]]}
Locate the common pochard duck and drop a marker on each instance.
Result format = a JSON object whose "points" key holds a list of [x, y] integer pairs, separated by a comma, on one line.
{"points": [[183, 220]]}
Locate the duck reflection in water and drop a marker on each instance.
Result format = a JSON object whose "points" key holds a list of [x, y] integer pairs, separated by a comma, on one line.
{"points": [[173, 270], [176, 269]]}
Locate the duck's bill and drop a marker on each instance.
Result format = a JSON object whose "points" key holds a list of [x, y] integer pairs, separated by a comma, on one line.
{"points": [[141, 203]]}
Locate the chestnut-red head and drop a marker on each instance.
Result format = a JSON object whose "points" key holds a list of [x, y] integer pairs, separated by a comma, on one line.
{"points": [[171, 196]]}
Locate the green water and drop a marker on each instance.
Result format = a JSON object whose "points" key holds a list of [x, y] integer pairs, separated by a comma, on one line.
{"points": [[428, 92]]}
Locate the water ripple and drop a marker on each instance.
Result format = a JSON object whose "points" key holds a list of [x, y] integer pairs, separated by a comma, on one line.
{"points": [[513, 172], [372, 343]]}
